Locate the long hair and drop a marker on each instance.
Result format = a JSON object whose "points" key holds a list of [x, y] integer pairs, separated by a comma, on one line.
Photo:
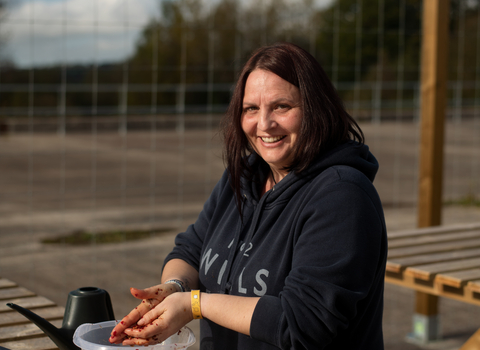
{"points": [[325, 122]]}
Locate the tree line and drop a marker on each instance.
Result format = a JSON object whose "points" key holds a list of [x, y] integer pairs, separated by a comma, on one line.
{"points": [[191, 54]]}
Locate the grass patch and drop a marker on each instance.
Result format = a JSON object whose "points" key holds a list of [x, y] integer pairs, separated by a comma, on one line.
{"points": [[85, 237], [466, 201]]}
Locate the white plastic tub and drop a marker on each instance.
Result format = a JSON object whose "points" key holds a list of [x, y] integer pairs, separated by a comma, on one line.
{"points": [[95, 336]]}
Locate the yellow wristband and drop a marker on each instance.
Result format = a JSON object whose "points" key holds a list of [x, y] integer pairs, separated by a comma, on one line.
{"points": [[197, 313]]}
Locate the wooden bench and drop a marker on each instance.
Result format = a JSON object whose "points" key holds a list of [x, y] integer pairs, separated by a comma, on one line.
{"points": [[16, 331], [440, 260]]}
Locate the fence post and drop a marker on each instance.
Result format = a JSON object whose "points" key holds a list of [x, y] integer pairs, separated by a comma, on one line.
{"points": [[433, 104]]}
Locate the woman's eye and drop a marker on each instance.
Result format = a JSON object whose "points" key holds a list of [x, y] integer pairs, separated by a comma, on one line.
{"points": [[249, 109], [282, 107]]}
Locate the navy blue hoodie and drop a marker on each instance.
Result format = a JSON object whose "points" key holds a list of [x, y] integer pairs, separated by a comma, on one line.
{"points": [[313, 248]]}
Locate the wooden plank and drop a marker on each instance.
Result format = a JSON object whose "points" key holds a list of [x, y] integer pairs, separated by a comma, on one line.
{"points": [[459, 278], [16, 292], [437, 238], [429, 271], [28, 303], [433, 248], [432, 288], [474, 285], [411, 283], [15, 318], [417, 232], [398, 264], [16, 331], [473, 343], [439, 263], [25, 331], [43, 343], [472, 290], [394, 267], [4, 283]]}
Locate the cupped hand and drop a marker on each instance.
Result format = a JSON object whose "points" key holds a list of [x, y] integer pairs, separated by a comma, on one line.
{"points": [[151, 297], [162, 321]]}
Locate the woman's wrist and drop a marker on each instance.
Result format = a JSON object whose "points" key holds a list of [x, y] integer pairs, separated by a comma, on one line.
{"points": [[195, 304], [179, 283], [177, 269]]}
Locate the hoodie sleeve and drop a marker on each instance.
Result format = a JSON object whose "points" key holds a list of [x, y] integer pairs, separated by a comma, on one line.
{"points": [[188, 244], [338, 262]]}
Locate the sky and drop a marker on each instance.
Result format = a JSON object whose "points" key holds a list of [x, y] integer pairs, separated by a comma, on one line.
{"points": [[46, 32]]}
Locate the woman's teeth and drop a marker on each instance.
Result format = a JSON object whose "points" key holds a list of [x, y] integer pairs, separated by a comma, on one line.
{"points": [[272, 139]]}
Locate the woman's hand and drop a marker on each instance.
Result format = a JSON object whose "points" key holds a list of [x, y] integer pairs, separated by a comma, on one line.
{"points": [[162, 321], [151, 297]]}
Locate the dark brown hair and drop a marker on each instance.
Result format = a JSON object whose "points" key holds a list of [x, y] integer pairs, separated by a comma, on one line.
{"points": [[325, 122]]}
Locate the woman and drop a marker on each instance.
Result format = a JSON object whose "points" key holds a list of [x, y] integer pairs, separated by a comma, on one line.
{"points": [[289, 251]]}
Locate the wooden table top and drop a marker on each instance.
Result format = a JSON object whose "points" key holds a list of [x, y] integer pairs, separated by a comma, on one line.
{"points": [[440, 260], [16, 331]]}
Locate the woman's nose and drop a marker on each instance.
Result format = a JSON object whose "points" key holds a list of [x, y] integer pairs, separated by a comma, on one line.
{"points": [[265, 120]]}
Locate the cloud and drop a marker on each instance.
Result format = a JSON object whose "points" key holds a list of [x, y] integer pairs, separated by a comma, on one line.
{"points": [[47, 32]]}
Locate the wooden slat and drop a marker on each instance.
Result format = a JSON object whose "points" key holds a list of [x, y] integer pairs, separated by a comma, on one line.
{"points": [[15, 318], [429, 271], [440, 261], [433, 248], [43, 343], [459, 278], [16, 331], [398, 264], [433, 230], [460, 294], [28, 303], [474, 285], [24, 331], [433, 238], [473, 343], [4, 283], [16, 292]]}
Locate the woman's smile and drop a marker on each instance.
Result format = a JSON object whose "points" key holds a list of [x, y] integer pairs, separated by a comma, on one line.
{"points": [[272, 139]]}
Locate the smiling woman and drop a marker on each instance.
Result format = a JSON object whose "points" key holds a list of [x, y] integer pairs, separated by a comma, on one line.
{"points": [[324, 122], [271, 120], [290, 249]]}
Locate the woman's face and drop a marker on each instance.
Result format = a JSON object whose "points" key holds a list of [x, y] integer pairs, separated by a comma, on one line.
{"points": [[271, 118]]}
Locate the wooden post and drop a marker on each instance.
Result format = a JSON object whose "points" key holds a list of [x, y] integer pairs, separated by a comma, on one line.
{"points": [[433, 105]]}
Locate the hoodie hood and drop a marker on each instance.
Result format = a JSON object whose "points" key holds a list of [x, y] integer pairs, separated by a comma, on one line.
{"points": [[352, 154]]}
